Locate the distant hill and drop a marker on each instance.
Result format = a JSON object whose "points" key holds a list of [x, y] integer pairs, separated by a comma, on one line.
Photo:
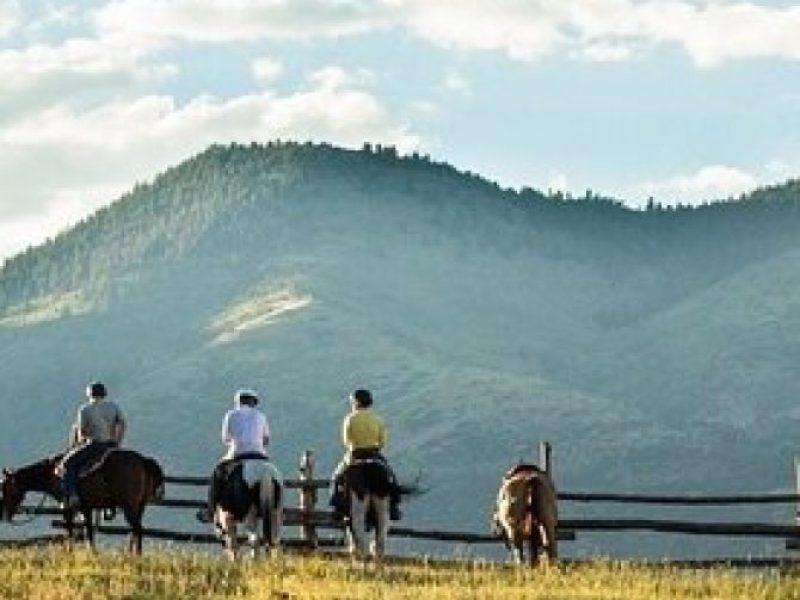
{"points": [[656, 349]]}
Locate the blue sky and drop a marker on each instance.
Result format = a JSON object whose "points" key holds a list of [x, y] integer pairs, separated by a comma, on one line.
{"points": [[682, 100]]}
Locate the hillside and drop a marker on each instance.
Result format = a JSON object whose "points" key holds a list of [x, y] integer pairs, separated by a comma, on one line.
{"points": [[656, 349]]}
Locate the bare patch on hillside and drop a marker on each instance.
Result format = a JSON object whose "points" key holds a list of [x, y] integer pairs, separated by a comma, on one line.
{"points": [[46, 308], [260, 308]]}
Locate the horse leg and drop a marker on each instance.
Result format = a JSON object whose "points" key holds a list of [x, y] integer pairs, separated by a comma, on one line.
{"points": [[264, 513], [229, 533], [88, 528], [381, 508], [276, 516], [517, 545], [535, 542], [133, 515], [357, 529], [69, 524], [551, 546]]}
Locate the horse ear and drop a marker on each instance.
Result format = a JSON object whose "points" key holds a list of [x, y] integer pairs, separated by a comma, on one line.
{"points": [[6, 472]]}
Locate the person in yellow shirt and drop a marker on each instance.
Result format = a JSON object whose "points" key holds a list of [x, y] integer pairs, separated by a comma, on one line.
{"points": [[364, 437]]}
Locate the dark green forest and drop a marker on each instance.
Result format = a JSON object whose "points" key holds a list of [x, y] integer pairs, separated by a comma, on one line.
{"points": [[218, 201]]}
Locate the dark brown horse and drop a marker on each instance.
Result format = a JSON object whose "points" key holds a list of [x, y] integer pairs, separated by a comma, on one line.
{"points": [[526, 511], [123, 479]]}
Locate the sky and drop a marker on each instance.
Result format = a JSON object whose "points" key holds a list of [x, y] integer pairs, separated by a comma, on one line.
{"points": [[680, 100]]}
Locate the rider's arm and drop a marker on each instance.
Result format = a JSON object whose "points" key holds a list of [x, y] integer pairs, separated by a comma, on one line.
{"points": [[74, 436], [347, 432], [383, 436], [81, 427], [119, 428], [266, 430], [227, 438]]}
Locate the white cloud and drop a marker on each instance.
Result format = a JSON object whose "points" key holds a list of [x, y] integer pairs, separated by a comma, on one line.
{"points": [[523, 29], [92, 58], [78, 69], [710, 31], [266, 69], [713, 182], [235, 20], [10, 17], [110, 147], [715, 33]]}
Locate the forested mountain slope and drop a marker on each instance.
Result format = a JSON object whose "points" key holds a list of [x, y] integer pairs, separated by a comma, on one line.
{"points": [[656, 349]]}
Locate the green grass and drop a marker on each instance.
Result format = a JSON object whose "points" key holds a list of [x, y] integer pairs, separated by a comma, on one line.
{"points": [[55, 574]]}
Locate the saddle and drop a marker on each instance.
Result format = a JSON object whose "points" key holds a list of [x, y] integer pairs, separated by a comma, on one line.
{"points": [[93, 465], [236, 497]]}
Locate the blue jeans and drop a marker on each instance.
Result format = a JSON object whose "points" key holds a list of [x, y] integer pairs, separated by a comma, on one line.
{"points": [[76, 459]]}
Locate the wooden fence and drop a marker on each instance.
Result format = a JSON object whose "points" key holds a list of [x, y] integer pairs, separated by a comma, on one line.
{"points": [[311, 520]]}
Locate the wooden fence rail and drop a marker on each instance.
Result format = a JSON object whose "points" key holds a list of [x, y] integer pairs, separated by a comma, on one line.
{"points": [[309, 518], [685, 500]]}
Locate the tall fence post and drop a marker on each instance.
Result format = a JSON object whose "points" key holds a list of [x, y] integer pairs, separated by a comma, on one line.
{"points": [[308, 498], [546, 458]]}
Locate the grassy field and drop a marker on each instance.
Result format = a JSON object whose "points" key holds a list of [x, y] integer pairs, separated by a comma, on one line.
{"points": [[56, 574]]}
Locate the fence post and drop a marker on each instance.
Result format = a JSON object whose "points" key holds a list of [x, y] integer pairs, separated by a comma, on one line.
{"points": [[546, 458], [797, 489], [308, 498]]}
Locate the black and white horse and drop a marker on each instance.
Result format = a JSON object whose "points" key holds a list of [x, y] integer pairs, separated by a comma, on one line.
{"points": [[368, 487], [258, 506]]}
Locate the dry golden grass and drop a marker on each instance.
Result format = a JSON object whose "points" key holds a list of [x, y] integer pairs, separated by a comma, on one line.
{"points": [[52, 573]]}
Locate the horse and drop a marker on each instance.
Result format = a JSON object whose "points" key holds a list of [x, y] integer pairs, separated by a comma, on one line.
{"points": [[526, 510], [368, 487], [252, 495], [121, 479]]}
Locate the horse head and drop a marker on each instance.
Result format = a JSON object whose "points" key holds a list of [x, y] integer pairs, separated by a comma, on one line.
{"points": [[12, 494]]}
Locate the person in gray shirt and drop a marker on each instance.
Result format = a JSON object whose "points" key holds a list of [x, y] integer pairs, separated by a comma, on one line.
{"points": [[99, 426]]}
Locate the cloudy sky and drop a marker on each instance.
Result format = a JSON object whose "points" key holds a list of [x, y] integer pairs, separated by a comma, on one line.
{"points": [[682, 100]]}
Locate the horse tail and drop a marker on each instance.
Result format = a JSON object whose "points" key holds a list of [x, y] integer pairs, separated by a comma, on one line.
{"points": [[156, 478]]}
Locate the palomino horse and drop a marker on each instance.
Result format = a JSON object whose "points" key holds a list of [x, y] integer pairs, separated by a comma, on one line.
{"points": [[122, 479], [252, 495], [526, 510], [368, 486]]}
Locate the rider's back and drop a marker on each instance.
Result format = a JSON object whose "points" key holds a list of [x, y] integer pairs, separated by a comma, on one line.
{"points": [[98, 419]]}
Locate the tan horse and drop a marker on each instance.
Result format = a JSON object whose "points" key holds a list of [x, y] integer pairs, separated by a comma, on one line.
{"points": [[526, 510]]}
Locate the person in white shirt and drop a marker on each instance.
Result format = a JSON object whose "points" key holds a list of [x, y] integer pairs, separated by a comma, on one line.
{"points": [[245, 433]]}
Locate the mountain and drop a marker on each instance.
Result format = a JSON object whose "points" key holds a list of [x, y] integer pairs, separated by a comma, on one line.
{"points": [[655, 349]]}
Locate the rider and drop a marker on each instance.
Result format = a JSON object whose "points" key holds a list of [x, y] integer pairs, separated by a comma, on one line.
{"points": [[363, 436], [99, 426], [245, 432]]}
